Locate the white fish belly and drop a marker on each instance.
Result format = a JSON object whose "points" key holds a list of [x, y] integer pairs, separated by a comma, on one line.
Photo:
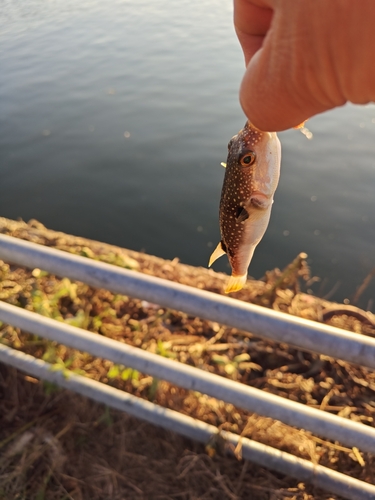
{"points": [[255, 227]]}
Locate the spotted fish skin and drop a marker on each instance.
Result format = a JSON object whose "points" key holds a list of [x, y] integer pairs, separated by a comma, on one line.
{"points": [[251, 177]]}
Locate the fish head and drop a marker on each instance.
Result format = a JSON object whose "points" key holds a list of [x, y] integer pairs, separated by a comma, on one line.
{"points": [[259, 150], [244, 146]]}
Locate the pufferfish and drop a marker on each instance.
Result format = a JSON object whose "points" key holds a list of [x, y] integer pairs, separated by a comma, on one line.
{"points": [[251, 177]]}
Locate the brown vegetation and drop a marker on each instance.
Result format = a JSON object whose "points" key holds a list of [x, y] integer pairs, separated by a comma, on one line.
{"points": [[58, 445]]}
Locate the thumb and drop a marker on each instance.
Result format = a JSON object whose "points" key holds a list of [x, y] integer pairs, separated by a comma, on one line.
{"points": [[269, 97]]}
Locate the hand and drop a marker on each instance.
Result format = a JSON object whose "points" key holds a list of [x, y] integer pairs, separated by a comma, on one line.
{"points": [[304, 57]]}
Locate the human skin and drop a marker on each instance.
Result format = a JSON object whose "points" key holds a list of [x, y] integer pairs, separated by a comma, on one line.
{"points": [[304, 57]]}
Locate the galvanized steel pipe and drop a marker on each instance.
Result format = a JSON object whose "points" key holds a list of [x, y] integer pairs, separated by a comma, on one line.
{"points": [[295, 414], [264, 455], [301, 333]]}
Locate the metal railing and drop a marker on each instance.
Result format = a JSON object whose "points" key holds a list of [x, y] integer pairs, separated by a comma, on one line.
{"points": [[263, 322], [277, 326]]}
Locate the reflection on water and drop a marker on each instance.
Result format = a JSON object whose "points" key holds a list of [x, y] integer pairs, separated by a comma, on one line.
{"points": [[115, 117]]}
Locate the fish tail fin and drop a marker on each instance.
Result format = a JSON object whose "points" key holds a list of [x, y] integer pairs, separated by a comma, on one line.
{"points": [[236, 283], [216, 254]]}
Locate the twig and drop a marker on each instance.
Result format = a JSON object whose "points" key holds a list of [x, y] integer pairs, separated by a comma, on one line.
{"points": [[290, 269], [363, 286], [332, 291], [10, 438]]}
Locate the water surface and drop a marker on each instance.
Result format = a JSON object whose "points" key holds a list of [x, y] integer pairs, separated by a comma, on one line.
{"points": [[115, 116]]}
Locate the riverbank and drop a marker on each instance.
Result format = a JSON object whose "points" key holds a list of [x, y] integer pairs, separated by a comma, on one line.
{"points": [[54, 443]]}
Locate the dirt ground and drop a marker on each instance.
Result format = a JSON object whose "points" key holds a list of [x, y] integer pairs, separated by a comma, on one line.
{"points": [[56, 445]]}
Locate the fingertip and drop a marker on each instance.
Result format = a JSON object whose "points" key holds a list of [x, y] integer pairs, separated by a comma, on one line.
{"points": [[267, 116], [266, 105]]}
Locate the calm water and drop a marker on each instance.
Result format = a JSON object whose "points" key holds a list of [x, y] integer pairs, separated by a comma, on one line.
{"points": [[115, 116]]}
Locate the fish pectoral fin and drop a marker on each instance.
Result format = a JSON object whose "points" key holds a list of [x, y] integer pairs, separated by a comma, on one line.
{"points": [[236, 283], [216, 254], [242, 214], [223, 164], [260, 201]]}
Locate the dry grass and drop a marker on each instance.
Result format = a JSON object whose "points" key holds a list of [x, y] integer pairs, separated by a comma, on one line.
{"points": [[57, 445]]}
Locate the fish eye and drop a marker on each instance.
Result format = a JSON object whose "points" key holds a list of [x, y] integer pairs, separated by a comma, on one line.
{"points": [[248, 159]]}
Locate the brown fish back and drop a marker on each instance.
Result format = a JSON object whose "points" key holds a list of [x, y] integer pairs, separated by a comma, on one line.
{"points": [[237, 189]]}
